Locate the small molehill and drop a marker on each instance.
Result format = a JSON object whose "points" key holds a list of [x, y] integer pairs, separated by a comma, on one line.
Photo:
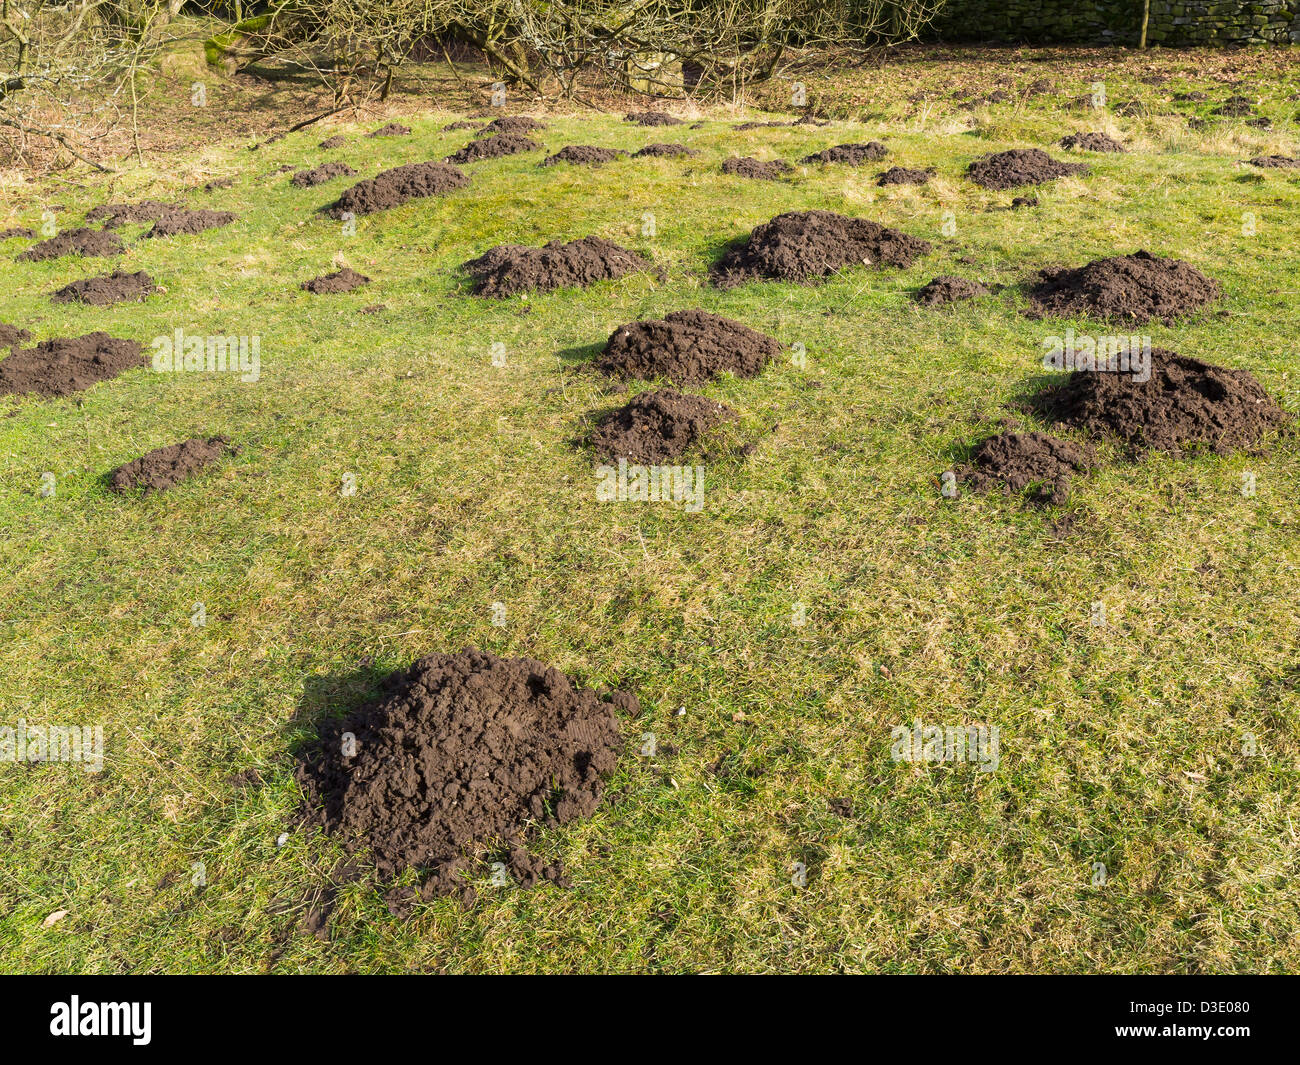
{"points": [[1092, 142], [165, 467], [393, 129], [178, 223], [516, 124], [663, 150], [1236, 107], [901, 175], [657, 426], [494, 148], [462, 123], [392, 188], [652, 118], [462, 753], [82, 241], [1016, 461], [1020, 202], [755, 168], [510, 269], [686, 346], [853, 154], [336, 141], [583, 154], [11, 335], [1283, 162], [1020, 166], [1134, 288], [949, 289], [117, 287], [14, 232], [344, 280], [114, 215], [64, 365], [806, 245], [1183, 405], [318, 175]]}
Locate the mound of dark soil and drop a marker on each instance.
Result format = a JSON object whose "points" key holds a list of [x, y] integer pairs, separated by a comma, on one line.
{"points": [[17, 231], [1274, 161], [665, 150], [1092, 142], [65, 365], [494, 148], [805, 245], [337, 141], [1017, 202], [1133, 288], [754, 168], [177, 223], [687, 346], [516, 124], [1020, 166], [344, 280], [510, 269], [318, 175], [456, 756], [393, 129], [751, 124], [652, 118], [462, 123], [117, 287], [1193, 97], [1016, 461], [160, 469], [392, 188], [1235, 107], [1184, 404], [11, 335], [120, 214], [657, 426], [83, 241], [853, 154], [587, 154], [948, 289], [900, 175]]}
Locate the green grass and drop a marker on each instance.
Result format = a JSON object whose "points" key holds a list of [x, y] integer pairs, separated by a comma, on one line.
{"points": [[1119, 745]]}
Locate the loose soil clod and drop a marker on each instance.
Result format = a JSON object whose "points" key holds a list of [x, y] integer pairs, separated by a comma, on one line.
{"points": [[1092, 142], [657, 426], [686, 346], [177, 223], [306, 179], [901, 175], [11, 335], [510, 269], [64, 365], [1020, 166], [664, 151], [652, 118], [1134, 288], [117, 287], [344, 280], [14, 232], [392, 188], [755, 168], [583, 154], [459, 754], [948, 289], [806, 245], [494, 148], [164, 467], [516, 124], [1184, 404], [82, 241], [853, 154], [114, 215], [1016, 461]]}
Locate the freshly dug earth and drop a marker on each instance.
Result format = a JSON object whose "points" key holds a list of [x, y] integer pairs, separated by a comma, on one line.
{"points": [[83, 241], [652, 118], [511, 124], [160, 469], [344, 280], [1017, 461], [456, 756], [806, 245], [392, 188], [853, 154], [657, 426], [463, 123], [117, 287], [666, 150], [1020, 166], [1092, 142], [120, 214], [336, 141], [1134, 288], [494, 148], [65, 365], [1185, 404], [318, 175], [509, 269], [901, 175], [17, 231], [11, 335], [393, 129], [177, 223], [686, 346], [1274, 161], [587, 154], [754, 168], [948, 289]]}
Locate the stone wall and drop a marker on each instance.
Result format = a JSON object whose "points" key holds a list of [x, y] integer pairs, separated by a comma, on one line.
{"points": [[1173, 23]]}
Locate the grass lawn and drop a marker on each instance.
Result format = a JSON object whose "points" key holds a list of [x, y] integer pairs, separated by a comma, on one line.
{"points": [[1121, 745]]}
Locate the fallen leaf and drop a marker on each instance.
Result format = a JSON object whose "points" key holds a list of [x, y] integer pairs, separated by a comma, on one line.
{"points": [[54, 918]]}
